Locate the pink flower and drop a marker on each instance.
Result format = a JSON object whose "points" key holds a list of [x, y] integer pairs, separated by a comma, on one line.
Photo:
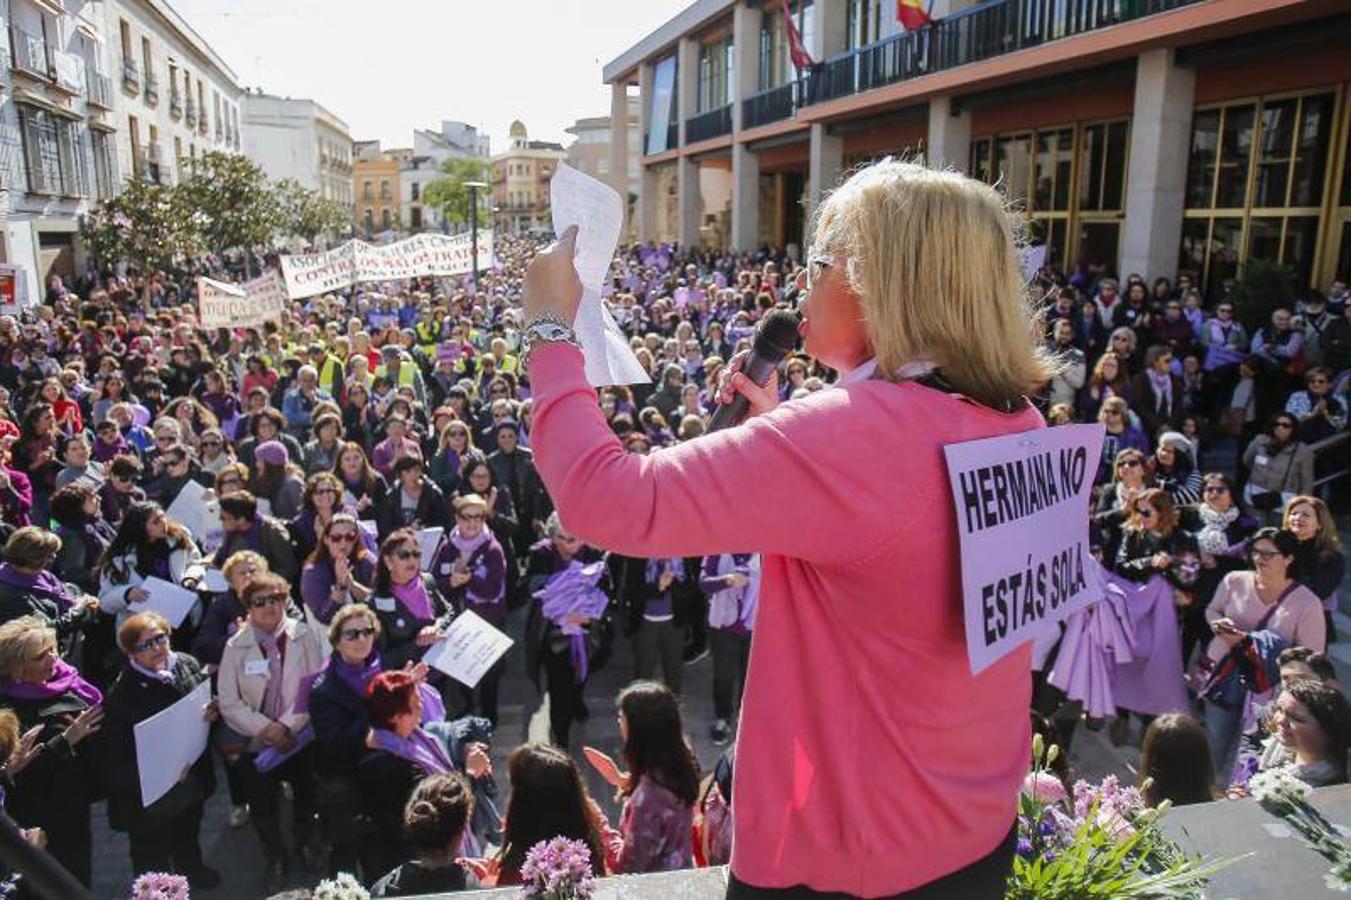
{"points": [[1044, 787]]}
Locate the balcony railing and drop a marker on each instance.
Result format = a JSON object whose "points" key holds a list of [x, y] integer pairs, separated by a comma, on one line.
{"points": [[67, 71], [986, 30], [131, 77], [175, 104], [190, 115], [772, 105], [203, 125], [711, 124], [29, 52], [100, 88], [151, 88]]}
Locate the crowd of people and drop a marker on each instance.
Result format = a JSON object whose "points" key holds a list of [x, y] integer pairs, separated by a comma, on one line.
{"points": [[336, 442]]}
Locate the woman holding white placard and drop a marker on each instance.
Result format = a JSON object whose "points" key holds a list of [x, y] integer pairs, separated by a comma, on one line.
{"points": [[148, 543]]}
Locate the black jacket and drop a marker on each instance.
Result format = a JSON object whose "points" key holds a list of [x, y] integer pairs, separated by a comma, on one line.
{"points": [[134, 698], [274, 542], [17, 601], [399, 628], [340, 725], [432, 509], [516, 471]]}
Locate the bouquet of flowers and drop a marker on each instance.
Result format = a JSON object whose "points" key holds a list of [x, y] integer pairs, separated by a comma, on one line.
{"points": [[159, 886], [559, 869], [341, 887], [1282, 794], [1101, 841]]}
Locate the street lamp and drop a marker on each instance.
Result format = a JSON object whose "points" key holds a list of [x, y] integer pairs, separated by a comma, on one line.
{"points": [[474, 187]]}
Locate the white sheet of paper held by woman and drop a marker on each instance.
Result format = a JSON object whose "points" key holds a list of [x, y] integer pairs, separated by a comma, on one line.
{"points": [[595, 208], [170, 741], [469, 649]]}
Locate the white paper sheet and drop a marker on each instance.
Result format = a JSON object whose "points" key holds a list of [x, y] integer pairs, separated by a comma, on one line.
{"points": [[593, 206], [170, 741], [214, 581], [369, 526], [469, 649], [197, 509], [167, 599], [429, 540]]}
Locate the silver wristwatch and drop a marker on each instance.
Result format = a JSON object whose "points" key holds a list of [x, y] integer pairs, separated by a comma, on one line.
{"points": [[546, 328]]}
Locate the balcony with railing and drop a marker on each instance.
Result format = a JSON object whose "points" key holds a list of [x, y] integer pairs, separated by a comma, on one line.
{"points": [[772, 105], [203, 122], [151, 88], [190, 114], [29, 53], [710, 124], [175, 103], [99, 88], [980, 32], [131, 77]]}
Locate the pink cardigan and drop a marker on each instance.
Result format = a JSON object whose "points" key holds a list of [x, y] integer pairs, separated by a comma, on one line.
{"points": [[870, 760]]}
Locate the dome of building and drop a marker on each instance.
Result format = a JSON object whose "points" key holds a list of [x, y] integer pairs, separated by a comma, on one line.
{"points": [[517, 129]]}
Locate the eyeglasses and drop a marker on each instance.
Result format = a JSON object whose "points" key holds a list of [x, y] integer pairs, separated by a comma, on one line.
{"points": [[469, 517], [210, 443], [808, 275], [1285, 424], [1225, 310], [407, 554], [1264, 555], [1318, 380], [1216, 489], [267, 600], [226, 482], [151, 643], [332, 492], [1128, 464], [354, 634], [346, 538]]}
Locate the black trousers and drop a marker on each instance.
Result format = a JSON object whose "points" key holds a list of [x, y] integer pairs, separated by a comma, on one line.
{"points": [[984, 879], [659, 643], [264, 792], [565, 694], [731, 653], [170, 846]]}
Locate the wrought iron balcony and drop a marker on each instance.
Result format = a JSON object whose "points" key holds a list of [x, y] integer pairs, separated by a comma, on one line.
{"points": [[29, 53], [100, 88], [190, 115], [151, 88], [711, 124], [131, 77], [772, 105], [175, 103]]}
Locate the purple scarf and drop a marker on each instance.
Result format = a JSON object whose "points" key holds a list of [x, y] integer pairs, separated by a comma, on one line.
{"points": [[413, 596], [1162, 382], [103, 451], [573, 590], [165, 675], [467, 547], [43, 583], [419, 748], [356, 677], [65, 679]]}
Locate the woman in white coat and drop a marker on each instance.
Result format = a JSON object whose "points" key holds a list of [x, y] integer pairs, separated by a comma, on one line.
{"points": [[148, 543]]}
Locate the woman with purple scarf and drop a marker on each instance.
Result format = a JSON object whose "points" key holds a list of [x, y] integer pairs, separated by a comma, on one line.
{"points": [[164, 835], [411, 610], [340, 569], [55, 790], [16, 495], [471, 571], [28, 588], [414, 748], [567, 631]]}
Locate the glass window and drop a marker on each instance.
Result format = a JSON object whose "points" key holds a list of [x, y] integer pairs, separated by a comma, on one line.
{"points": [[980, 160], [1201, 162], [1311, 150], [1192, 258], [1273, 156], [1114, 176], [1098, 243], [1236, 137], [1013, 165], [1225, 242], [1264, 238], [1301, 237]]}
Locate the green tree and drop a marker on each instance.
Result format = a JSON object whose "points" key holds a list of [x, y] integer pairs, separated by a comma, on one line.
{"points": [[146, 225], [233, 205], [306, 214], [450, 197], [1262, 286]]}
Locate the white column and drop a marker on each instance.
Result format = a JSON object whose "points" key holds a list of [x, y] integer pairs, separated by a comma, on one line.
{"points": [[949, 141], [745, 198], [691, 203], [619, 145], [1156, 181], [746, 21], [648, 200], [687, 83], [824, 168], [832, 29]]}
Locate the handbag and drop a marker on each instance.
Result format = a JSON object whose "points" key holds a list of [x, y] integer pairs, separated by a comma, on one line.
{"points": [[1225, 683]]}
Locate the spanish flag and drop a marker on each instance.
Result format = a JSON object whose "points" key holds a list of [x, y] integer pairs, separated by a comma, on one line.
{"points": [[912, 14], [796, 51]]}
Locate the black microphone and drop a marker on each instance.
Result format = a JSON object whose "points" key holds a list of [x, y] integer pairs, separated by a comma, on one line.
{"points": [[775, 339]]}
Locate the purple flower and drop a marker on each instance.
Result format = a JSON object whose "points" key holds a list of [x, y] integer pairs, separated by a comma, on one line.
{"points": [[159, 886], [559, 869], [1024, 847]]}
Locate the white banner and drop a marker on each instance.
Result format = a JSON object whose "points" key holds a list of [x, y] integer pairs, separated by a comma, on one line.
{"points": [[247, 305], [308, 274], [1022, 502]]}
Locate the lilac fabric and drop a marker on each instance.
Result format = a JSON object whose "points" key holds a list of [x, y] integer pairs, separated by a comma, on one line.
{"points": [[574, 590], [419, 748], [413, 595], [44, 583], [1096, 639], [65, 679], [1151, 683]]}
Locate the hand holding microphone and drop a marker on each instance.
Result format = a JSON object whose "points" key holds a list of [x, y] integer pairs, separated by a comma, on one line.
{"points": [[750, 386]]}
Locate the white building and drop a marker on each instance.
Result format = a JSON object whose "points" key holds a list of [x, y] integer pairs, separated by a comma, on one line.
{"points": [[455, 140], [175, 97], [56, 147], [590, 152], [300, 140]]}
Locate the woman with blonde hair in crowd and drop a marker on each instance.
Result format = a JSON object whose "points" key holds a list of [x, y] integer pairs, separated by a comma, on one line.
{"points": [[1319, 562], [904, 260]]}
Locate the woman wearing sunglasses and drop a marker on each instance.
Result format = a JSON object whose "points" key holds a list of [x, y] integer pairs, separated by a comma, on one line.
{"points": [[340, 569], [261, 674], [164, 835], [1280, 466], [411, 610]]}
